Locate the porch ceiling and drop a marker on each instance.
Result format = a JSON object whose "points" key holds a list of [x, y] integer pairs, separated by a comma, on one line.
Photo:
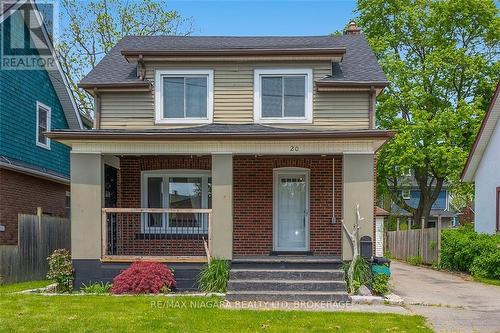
{"points": [[291, 147]]}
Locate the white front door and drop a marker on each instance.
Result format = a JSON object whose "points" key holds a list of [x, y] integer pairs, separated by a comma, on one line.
{"points": [[291, 210]]}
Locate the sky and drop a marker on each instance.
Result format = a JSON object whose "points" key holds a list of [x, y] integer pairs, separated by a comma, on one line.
{"points": [[260, 17]]}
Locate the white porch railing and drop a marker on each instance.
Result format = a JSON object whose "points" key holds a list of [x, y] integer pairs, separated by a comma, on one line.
{"points": [[163, 234]]}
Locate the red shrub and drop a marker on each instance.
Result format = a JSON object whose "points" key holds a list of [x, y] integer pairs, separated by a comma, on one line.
{"points": [[143, 277]]}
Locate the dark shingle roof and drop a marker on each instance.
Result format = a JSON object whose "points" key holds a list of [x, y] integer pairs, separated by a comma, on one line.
{"points": [[358, 64], [219, 129], [218, 132]]}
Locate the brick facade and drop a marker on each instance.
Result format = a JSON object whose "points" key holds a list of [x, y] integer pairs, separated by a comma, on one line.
{"points": [[22, 193], [253, 203], [129, 196]]}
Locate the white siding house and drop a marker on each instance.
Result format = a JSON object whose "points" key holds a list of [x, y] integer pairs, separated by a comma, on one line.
{"points": [[483, 168]]}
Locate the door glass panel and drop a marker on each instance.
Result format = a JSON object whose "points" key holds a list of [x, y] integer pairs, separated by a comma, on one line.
{"points": [[154, 201], [291, 212], [186, 193]]}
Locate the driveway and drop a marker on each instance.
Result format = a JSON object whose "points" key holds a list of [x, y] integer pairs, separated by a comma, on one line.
{"points": [[450, 303]]}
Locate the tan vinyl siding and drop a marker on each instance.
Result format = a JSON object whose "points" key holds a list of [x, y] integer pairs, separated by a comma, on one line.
{"points": [[233, 98]]}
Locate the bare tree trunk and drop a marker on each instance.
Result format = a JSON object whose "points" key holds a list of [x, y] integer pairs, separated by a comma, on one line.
{"points": [[353, 236]]}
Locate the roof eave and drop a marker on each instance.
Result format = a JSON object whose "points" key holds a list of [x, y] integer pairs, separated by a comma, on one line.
{"points": [[354, 84], [145, 85], [235, 52], [148, 136]]}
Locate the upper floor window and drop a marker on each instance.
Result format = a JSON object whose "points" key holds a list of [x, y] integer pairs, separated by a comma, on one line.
{"points": [[184, 96], [283, 95], [42, 125]]}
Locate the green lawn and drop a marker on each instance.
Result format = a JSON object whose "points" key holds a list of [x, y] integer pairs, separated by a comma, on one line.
{"points": [[486, 280], [28, 313]]}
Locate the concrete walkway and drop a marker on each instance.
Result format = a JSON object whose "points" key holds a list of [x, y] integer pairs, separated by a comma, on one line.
{"points": [[450, 303]]}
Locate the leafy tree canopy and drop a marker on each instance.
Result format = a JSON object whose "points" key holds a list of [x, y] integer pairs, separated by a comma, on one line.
{"points": [[441, 59], [93, 28]]}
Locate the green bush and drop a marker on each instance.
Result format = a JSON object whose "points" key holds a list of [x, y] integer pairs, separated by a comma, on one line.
{"points": [[462, 246], [214, 276], [415, 260], [380, 284], [487, 265], [61, 270], [362, 274], [97, 288]]}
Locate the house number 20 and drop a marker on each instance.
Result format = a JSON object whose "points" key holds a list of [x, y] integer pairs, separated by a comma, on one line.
{"points": [[294, 148]]}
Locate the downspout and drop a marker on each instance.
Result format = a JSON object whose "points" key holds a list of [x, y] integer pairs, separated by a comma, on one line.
{"points": [[141, 68], [97, 109], [334, 220], [371, 108]]}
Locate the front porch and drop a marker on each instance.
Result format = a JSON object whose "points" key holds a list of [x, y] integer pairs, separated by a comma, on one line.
{"points": [[162, 207]]}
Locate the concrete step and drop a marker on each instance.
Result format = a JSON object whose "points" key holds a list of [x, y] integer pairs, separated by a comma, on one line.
{"points": [[286, 263], [286, 285], [287, 274], [280, 296]]}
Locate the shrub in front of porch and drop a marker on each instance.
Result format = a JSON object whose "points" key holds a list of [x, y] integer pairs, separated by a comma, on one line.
{"points": [[144, 277], [214, 276], [61, 270]]}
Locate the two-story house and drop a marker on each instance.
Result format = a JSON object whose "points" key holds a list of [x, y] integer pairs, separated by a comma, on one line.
{"points": [[260, 146], [482, 167], [410, 193], [34, 99]]}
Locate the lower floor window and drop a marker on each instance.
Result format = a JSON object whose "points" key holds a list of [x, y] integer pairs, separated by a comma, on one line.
{"points": [[178, 190]]}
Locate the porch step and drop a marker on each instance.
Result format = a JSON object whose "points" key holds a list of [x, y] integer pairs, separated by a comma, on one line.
{"points": [[280, 296], [286, 285], [286, 278], [286, 262], [287, 274]]}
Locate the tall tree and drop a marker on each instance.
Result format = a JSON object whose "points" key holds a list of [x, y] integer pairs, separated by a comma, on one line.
{"points": [[441, 59], [92, 29]]}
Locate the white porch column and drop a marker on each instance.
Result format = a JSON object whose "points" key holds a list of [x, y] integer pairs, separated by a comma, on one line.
{"points": [[221, 242], [86, 203], [358, 189]]}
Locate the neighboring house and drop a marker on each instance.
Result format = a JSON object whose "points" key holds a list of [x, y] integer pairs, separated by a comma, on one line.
{"points": [[34, 170], [411, 195], [482, 168], [260, 145]]}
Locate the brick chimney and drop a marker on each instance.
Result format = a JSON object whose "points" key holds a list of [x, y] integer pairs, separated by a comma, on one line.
{"points": [[352, 29]]}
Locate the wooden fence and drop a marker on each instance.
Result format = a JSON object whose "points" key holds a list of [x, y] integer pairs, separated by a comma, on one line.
{"points": [[39, 236], [423, 243]]}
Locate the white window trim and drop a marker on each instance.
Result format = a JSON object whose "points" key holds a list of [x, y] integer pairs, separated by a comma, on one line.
{"points": [[49, 117], [165, 174], [408, 197], [159, 74], [257, 100]]}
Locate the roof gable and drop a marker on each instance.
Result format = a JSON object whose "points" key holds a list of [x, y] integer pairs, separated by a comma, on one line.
{"points": [[488, 125]]}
